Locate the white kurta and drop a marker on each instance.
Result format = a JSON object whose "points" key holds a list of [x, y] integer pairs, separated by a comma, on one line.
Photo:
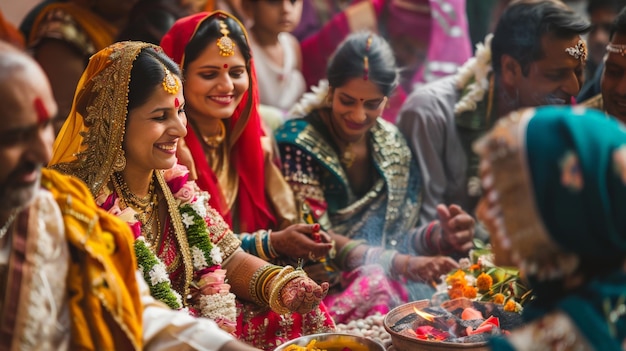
{"points": [[43, 320], [280, 87]]}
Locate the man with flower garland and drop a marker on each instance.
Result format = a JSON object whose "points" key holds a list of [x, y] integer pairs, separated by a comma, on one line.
{"points": [[536, 56], [64, 277]]}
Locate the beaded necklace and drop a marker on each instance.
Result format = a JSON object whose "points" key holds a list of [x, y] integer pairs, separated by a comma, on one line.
{"points": [[147, 207]]}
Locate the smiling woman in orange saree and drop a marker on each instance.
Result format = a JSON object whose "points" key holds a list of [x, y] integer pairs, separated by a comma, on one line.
{"points": [[121, 139]]}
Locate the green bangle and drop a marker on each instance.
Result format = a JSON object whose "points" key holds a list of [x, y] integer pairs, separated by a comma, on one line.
{"points": [[340, 259]]}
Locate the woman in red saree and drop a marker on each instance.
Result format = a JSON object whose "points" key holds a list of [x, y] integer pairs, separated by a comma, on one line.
{"points": [[231, 155], [229, 152]]}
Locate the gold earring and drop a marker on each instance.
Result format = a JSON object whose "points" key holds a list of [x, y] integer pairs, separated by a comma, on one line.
{"points": [[328, 100], [120, 163]]}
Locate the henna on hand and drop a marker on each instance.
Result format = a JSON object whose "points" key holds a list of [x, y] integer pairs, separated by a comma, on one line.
{"points": [[302, 294]]}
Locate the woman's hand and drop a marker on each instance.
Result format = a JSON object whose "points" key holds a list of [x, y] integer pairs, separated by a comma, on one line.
{"points": [[302, 294], [457, 228], [301, 241], [427, 268]]}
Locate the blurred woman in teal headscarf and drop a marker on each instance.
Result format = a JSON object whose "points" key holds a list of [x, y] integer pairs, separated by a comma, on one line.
{"points": [[555, 204]]}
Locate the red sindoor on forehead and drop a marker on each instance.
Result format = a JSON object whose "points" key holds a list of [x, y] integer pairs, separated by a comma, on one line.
{"points": [[225, 65], [42, 112], [176, 102]]}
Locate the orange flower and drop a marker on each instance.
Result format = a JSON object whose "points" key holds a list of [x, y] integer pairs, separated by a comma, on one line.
{"points": [[475, 267], [455, 293], [498, 298], [510, 306], [457, 277], [470, 292], [484, 282]]}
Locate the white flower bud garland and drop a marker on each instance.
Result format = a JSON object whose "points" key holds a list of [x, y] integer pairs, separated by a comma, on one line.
{"points": [[473, 78]]}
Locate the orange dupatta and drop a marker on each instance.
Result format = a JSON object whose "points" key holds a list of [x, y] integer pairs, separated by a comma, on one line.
{"points": [[100, 31]]}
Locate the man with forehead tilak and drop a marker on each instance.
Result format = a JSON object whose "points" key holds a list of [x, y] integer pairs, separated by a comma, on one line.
{"points": [[57, 255]]}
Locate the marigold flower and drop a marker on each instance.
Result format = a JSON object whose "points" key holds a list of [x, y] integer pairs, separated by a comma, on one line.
{"points": [[455, 293], [498, 298], [484, 282], [470, 292], [510, 306], [457, 277]]}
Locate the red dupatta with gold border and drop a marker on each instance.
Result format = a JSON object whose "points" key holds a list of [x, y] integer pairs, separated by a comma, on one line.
{"points": [[253, 207]]}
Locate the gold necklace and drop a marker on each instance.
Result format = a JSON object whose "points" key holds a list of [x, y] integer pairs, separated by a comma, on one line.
{"points": [[129, 197], [147, 207], [215, 140], [348, 155]]}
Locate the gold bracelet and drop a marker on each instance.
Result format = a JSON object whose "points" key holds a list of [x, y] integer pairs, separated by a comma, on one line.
{"points": [[254, 281], [275, 296], [265, 292], [273, 299], [228, 245], [258, 242], [262, 283], [273, 253]]}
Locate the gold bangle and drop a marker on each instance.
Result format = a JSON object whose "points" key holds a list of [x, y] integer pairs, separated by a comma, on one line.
{"points": [[259, 287], [252, 290], [275, 296], [258, 242], [228, 245], [272, 252]]}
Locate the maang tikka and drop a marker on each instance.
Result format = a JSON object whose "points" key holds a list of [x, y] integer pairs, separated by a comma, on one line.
{"points": [[225, 43], [170, 83], [366, 61]]}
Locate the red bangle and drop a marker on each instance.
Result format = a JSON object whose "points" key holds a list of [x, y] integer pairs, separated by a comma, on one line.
{"points": [[440, 246], [428, 235]]}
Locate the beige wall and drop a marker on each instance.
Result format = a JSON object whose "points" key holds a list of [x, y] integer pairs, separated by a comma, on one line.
{"points": [[15, 10]]}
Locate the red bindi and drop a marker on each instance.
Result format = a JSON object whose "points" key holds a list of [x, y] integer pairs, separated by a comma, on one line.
{"points": [[176, 102], [40, 108], [225, 65]]}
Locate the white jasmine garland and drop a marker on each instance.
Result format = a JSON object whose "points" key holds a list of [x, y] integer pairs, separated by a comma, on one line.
{"points": [[198, 205], [187, 220], [311, 100], [158, 274], [217, 305], [179, 299], [473, 77], [199, 261], [216, 255]]}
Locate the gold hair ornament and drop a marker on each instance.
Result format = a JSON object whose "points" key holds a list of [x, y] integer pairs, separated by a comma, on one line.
{"points": [[170, 83], [579, 51], [225, 43], [616, 49], [366, 61]]}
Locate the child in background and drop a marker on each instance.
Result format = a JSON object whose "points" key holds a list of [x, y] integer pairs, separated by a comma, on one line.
{"points": [[276, 52]]}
